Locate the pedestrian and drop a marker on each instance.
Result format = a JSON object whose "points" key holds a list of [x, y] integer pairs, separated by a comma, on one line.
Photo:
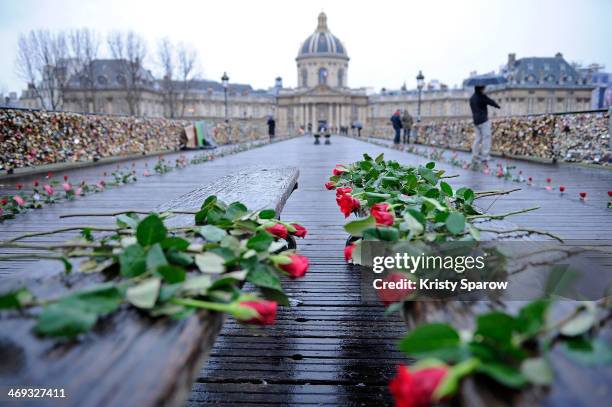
{"points": [[482, 126], [396, 121], [407, 124], [271, 127], [358, 126]]}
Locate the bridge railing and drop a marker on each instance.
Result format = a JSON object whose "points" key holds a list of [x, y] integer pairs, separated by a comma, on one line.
{"points": [[569, 136], [37, 137]]}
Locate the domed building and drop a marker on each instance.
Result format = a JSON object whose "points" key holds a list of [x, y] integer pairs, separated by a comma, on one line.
{"points": [[322, 97]]}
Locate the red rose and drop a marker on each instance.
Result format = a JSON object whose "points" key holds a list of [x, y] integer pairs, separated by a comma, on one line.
{"points": [[278, 230], [342, 191], [390, 295], [265, 309], [4, 202], [19, 200], [549, 180], [297, 267], [49, 174], [530, 179], [48, 189], [583, 195], [610, 194], [300, 231], [561, 188], [35, 183], [19, 186], [381, 213], [65, 177], [415, 389], [330, 185], [347, 204], [348, 252], [338, 170]]}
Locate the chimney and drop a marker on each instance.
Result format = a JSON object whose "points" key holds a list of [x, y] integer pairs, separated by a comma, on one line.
{"points": [[558, 55], [278, 82], [511, 59]]}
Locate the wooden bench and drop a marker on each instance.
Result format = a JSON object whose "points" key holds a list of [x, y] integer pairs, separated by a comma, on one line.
{"points": [[129, 359]]}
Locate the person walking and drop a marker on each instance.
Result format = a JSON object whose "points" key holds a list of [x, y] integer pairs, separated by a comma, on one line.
{"points": [[358, 126], [396, 121], [482, 126], [271, 127], [407, 124]]}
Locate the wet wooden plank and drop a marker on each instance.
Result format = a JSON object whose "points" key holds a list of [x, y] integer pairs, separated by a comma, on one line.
{"points": [[130, 359]]}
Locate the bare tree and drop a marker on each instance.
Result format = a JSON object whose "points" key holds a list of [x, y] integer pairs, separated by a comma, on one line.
{"points": [[131, 49], [167, 61], [43, 60], [84, 47], [187, 71]]}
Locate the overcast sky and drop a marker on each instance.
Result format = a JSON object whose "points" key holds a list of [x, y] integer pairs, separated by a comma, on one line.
{"points": [[387, 41]]}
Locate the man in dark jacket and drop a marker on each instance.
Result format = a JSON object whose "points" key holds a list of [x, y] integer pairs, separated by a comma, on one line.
{"points": [[482, 126], [271, 127], [396, 121]]}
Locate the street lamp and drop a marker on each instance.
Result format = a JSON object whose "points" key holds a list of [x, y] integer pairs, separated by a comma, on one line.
{"points": [[224, 82], [420, 83]]}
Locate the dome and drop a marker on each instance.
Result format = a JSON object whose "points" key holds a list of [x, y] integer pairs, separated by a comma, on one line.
{"points": [[322, 42]]}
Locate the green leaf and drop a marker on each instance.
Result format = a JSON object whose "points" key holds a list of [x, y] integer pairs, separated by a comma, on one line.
{"points": [[260, 242], [77, 312], [495, 325], [430, 165], [263, 276], [177, 243], [172, 274], [151, 230], [16, 299], [209, 202], [432, 340], [210, 263], [466, 194], [434, 203], [267, 214], [197, 285], [412, 224], [379, 158], [212, 233], [505, 374], [579, 324], [446, 188], [132, 261], [274, 295], [450, 383], [428, 175], [144, 295], [64, 319], [532, 317], [597, 352], [356, 227], [236, 210], [178, 258], [455, 223], [125, 220], [155, 257], [386, 234], [537, 371]]}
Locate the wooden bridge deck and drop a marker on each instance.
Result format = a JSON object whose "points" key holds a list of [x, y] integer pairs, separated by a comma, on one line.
{"points": [[330, 347]]}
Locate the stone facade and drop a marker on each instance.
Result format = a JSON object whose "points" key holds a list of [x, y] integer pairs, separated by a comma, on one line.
{"points": [[322, 98]]}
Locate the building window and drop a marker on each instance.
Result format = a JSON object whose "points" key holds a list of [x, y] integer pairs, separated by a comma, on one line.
{"points": [[322, 76], [304, 77], [340, 77], [102, 80]]}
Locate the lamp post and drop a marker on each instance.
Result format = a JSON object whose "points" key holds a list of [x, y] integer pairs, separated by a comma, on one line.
{"points": [[420, 83], [224, 82]]}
